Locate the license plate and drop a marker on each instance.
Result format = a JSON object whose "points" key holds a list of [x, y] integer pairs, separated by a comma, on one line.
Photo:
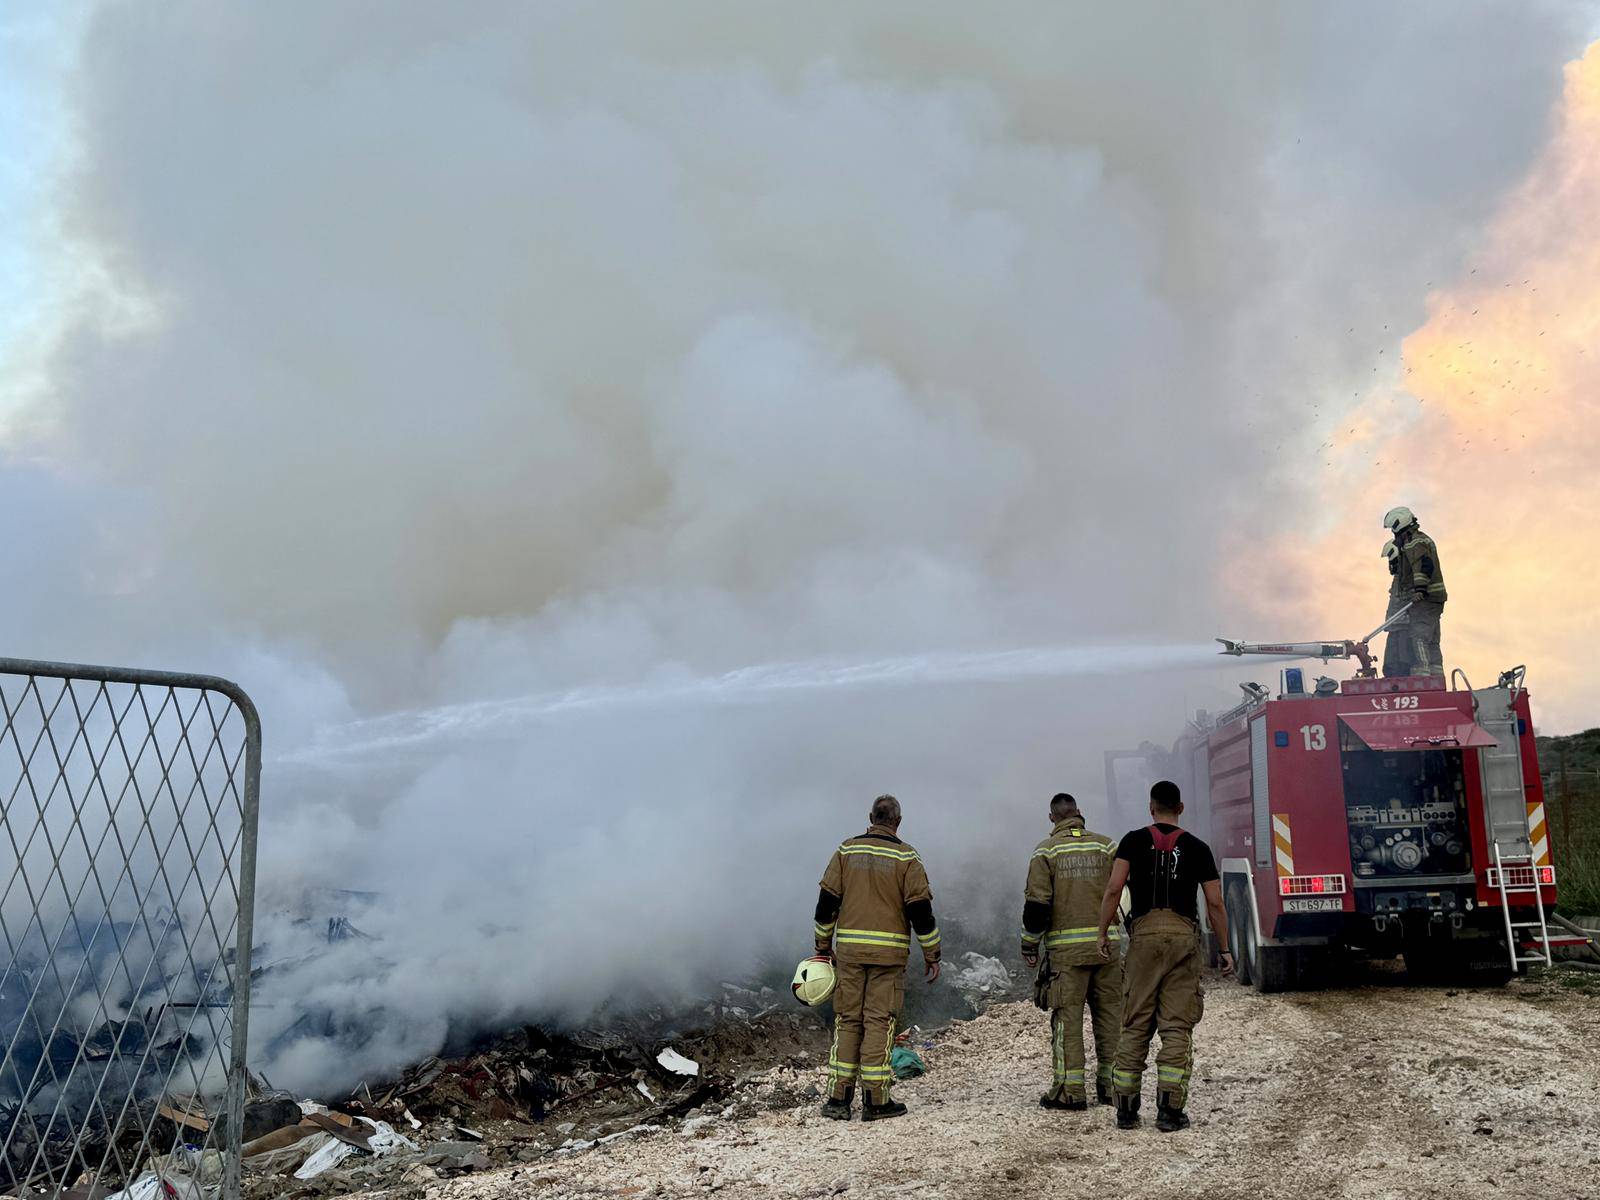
{"points": [[1314, 904]]}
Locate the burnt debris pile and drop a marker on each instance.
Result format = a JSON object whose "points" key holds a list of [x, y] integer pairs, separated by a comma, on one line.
{"points": [[532, 1092], [111, 1043]]}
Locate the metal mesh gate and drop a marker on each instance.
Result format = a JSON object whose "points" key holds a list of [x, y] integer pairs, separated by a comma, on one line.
{"points": [[127, 863]]}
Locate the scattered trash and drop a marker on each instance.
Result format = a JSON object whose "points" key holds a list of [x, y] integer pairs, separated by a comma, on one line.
{"points": [[575, 1147], [188, 1113], [981, 976], [331, 1153], [148, 1186], [677, 1063], [645, 1091], [378, 1139], [474, 1134], [907, 1063]]}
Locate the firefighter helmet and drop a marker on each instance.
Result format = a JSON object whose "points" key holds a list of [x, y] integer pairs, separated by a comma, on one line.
{"points": [[1399, 518], [813, 981], [1390, 550]]}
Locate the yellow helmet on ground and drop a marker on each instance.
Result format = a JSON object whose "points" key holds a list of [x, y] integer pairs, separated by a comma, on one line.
{"points": [[813, 981]]}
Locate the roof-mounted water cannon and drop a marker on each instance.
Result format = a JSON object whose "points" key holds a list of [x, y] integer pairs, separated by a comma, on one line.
{"points": [[1361, 650]]}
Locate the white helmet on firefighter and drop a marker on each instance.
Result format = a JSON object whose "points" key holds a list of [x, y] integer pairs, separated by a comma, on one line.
{"points": [[813, 981], [1390, 550], [1399, 518]]}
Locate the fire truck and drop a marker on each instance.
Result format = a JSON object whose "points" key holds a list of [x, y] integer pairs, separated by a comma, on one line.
{"points": [[1373, 816]]}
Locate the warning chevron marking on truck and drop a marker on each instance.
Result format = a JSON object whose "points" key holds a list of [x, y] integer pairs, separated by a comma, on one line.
{"points": [[1538, 833], [1283, 844]]}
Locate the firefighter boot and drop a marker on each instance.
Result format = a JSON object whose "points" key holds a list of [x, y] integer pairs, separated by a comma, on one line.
{"points": [[1062, 1101], [1170, 1117], [1127, 1112], [1102, 1094], [880, 1112], [838, 1108]]}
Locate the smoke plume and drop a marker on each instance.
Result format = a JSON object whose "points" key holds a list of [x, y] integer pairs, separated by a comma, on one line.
{"points": [[539, 370]]}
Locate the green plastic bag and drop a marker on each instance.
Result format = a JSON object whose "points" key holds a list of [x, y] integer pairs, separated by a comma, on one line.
{"points": [[907, 1063]]}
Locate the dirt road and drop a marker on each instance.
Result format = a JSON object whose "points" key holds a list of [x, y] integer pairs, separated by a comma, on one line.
{"points": [[1375, 1091]]}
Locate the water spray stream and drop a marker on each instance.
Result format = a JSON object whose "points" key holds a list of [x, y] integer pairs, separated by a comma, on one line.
{"points": [[418, 728]]}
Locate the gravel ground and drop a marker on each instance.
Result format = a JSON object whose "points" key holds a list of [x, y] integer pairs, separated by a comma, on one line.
{"points": [[1371, 1091]]}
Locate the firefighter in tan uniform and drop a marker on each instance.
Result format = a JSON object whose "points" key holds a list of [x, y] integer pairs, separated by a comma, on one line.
{"points": [[1066, 879], [1397, 641], [1423, 580], [874, 896], [1162, 867]]}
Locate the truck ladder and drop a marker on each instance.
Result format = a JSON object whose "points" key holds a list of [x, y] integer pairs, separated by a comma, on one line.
{"points": [[1503, 867], [1505, 801], [1506, 818]]}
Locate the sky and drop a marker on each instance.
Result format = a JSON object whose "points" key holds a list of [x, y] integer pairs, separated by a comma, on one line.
{"points": [[613, 443]]}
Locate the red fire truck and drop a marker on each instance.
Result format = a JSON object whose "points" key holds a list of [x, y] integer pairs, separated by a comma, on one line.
{"points": [[1374, 816]]}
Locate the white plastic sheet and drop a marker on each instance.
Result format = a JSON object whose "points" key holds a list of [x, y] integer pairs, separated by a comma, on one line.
{"points": [[677, 1063]]}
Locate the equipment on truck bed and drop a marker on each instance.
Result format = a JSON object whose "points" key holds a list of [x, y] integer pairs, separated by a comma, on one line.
{"points": [[1401, 815]]}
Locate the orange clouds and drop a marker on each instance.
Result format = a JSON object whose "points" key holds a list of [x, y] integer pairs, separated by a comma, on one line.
{"points": [[1494, 439]]}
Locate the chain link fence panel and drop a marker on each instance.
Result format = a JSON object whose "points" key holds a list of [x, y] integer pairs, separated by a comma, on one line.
{"points": [[127, 864]]}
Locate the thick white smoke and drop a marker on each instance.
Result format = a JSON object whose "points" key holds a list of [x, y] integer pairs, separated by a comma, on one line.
{"points": [[432, 355]]}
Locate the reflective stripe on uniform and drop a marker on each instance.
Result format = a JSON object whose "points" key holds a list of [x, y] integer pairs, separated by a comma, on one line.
{"points": [[929, 940], [1031, 939], [873, 937], [1069, 848], [1075, 937], [882, 852], [1171, 1074], [840, 1074], [824, 932]]}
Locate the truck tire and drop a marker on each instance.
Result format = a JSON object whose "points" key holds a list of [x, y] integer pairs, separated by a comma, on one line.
{"points": [[1267, 968], [1432, 965], [1273, 969], [1239, 919]]}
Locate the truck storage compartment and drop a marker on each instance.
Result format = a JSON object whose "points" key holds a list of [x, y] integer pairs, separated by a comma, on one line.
{"points": [[1406, 808]]}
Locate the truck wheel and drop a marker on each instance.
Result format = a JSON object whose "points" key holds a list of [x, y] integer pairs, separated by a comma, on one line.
{"points": [[1239, 921], [1428, 965], [1273, 968], [1269, 968]]}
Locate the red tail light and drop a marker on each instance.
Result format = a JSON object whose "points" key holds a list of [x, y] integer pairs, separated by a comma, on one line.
{"points": [[1547, 875], [1310, 885]]}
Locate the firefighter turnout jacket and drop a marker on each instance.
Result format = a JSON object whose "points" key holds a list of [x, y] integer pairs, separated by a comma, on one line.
{"points": [[874, 897], [1419, 567], [1061, 906]]}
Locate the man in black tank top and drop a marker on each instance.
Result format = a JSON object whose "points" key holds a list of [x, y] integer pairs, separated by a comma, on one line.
{"points": [[1162, 867]]}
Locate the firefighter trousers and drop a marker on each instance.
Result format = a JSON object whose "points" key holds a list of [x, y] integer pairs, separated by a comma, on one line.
{"points": [[1426, 658], [866, 1000], [1101, 986], [1160, 993], [1397, 651]]}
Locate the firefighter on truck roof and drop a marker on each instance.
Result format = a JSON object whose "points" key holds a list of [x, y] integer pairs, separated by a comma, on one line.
{"points": [[1397, 641], [874, 896], [1419, 575], [1162, 867], [1066, 879]]}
